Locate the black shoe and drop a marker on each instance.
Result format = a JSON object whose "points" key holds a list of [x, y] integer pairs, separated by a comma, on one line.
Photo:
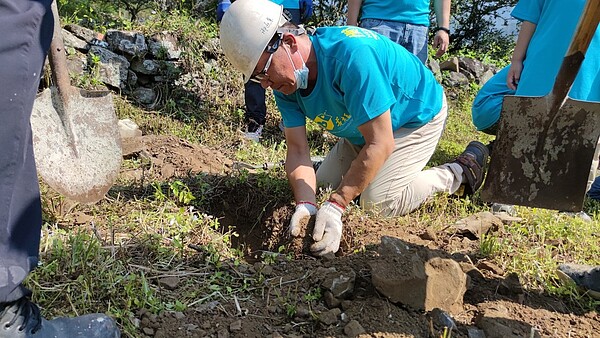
{"points": [[22, 319], [499, 208], [586, 277], [473, 162], [490, 146]]}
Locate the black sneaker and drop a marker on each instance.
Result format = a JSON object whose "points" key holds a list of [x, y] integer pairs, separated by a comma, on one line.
{"points": [[499, 208], [586, 277], [473, 162], [22, 319]]}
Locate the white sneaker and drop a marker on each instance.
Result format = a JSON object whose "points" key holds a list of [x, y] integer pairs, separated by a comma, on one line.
{"points": [[254, 135]]}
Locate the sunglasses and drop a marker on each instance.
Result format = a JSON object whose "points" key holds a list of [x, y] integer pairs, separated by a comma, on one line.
{"points": [[271, 48]]}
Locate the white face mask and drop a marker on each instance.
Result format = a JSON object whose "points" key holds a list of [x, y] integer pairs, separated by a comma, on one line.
{"points": [[301, 75]]}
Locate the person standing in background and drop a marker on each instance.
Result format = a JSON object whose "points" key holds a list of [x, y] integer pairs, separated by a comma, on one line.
{"points": [[405, 22], [546, 31], [255, 116]]}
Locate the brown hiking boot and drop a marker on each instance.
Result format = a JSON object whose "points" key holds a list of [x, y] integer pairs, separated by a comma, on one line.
{"points": [[474, 164]]}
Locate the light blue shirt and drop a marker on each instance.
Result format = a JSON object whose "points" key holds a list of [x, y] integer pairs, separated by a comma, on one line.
{"points": [[556, 22], [415, 12], [361, 75]]}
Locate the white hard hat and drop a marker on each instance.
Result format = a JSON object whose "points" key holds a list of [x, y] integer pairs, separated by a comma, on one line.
{"points": [[246, 29]]}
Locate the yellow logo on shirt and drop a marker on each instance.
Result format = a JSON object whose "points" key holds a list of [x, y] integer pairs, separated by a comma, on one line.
{"points": [[325, 121], [356, 32], [328, 122]]}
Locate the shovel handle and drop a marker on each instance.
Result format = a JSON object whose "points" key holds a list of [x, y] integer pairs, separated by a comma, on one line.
{"points": [[58, 57], [576, 54]]}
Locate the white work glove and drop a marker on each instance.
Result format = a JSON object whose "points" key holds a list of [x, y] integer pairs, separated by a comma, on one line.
{"points": [[303, 210], [328, 229]]}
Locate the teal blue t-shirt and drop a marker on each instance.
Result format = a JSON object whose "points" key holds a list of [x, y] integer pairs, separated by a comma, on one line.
{"points": [[556, 22], [361, 75], [290, 4], [415, 12]]}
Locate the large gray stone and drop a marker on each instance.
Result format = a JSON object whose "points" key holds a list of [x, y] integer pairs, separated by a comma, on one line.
{"points": [[113, 68], [164, 46], [409, 276], [130, 43]]}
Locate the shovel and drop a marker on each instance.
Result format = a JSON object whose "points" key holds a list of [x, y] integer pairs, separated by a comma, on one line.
{"points": [[545, 145], [76, 138]]}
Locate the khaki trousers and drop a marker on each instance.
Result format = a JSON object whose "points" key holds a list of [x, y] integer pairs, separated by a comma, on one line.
{"points": [[401, 185]]}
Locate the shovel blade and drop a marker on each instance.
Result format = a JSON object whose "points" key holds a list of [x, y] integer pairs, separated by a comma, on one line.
{"points": [[540, 161], [77, 143]]}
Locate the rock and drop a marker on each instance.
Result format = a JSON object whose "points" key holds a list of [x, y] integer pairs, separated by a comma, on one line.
{"points": [[145, 96], [330, 300], [442, 319], [489, 266], [475, 333], [434, 65], [456, 79], [148, 331], [452, 64], [340, 283], [169, 283], [164, 46], [236, 325], [511, 285], [71, 41], [148, 67], [267, 270], [471, 66], [131, 43], [302, 312], [428, 235], [222, 333], [485, 77], [330, 317], [328, 257], [478, 224], [162, 333], [495, 329], [353, 329], [471, 271], [83, 33], [128, 129], [346, 304], [132, 78], [496, 321], [77, 63], [113, 69], [422, 283]]}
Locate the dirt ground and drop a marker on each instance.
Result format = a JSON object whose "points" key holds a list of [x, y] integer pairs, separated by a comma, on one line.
{"points": [[494, 304]]}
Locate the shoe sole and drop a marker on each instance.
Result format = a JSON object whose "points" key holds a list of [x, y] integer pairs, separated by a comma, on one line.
{"points": [[567, 280]]}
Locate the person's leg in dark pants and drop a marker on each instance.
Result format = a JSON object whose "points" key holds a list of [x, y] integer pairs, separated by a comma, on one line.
{"points": [[256, 109], [22, 54], [26, 27]]}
